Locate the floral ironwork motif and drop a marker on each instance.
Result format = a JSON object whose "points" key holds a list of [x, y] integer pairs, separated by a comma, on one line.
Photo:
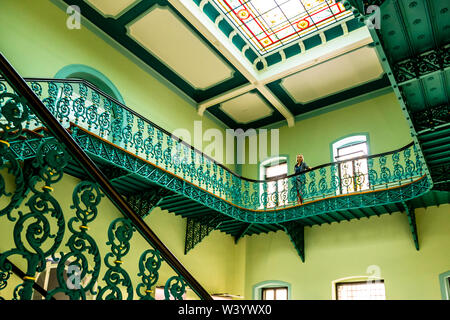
{"points": [[175, 288], [86, 197], [149, 265]]}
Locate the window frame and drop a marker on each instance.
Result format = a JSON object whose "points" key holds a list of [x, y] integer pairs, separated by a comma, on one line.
{"points": [[344, 142], [264, 289], [354, 279], [279, 159], [257, 288]]}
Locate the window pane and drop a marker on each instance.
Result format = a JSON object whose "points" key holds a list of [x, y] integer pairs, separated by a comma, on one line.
{"points": [[353, 174], [276, 170], [280, 185], [268, 294], [281, 294], [361, 291]]}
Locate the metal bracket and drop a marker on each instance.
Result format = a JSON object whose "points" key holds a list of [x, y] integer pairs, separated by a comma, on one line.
{"points": [[296, 232], [410, 213], [197, 230], [143, 203]]}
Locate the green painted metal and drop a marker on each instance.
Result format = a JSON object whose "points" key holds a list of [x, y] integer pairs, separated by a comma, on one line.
{"points": [[196, 232], [296, 233], [149, 265], [158, 157], [117, 279], [86, 197], [144, 202], [410, 213], [38, 230], [242, 232]]}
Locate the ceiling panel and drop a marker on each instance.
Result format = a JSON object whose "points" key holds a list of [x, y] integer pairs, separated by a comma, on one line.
{"points": [[332, 76], [111, 8], [247, 108], [179, 48]]}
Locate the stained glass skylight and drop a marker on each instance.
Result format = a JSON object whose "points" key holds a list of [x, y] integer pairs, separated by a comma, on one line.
{"points": [[271, 24]]}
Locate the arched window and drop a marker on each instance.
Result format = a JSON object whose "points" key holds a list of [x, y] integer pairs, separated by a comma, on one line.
{"points": [[91, 75], [352, 170], [358, 288], [272, 290], [276, 190], [115, 114]]}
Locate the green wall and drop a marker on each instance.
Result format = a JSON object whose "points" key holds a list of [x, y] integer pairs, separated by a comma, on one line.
{"points": [[347, 249]]}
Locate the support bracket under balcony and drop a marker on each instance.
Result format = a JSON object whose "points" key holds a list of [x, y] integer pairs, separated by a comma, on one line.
{"points": [[143, 203], [296, 232], [411, 214], [242, 232]]}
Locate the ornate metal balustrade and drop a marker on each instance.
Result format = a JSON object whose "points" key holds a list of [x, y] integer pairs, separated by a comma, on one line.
{"points": [[43, 239], [105, 129], [108, 129]]}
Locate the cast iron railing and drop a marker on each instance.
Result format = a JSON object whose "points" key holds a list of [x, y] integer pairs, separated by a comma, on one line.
{"points": [[78, 104], [44, 234]]}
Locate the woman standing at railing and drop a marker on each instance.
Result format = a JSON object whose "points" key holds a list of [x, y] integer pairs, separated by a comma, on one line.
{"points": [[300, 167]]}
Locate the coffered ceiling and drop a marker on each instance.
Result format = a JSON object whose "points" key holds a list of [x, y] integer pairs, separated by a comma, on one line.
{"points": [[247, 63]]}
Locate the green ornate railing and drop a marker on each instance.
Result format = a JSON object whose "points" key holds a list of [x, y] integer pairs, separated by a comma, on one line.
{"points": [[98, 124], [83, 108], [42, 238]]}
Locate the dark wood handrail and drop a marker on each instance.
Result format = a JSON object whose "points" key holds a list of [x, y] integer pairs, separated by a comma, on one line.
{"points": [[52, 124]]}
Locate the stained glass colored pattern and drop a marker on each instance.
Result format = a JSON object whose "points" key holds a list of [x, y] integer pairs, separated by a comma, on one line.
{"points": [[270, 24]]}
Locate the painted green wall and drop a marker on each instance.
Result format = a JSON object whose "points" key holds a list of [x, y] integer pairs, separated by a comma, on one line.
{"points": [[379, 116], [347, 249], [37, 43]]}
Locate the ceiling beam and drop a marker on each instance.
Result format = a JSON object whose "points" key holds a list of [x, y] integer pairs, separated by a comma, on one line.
{"points": [[342, 216], [224, 97]]}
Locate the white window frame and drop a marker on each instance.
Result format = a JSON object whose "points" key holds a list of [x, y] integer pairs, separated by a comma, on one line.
{"points": [[350, 280], [262, 168], [342, 143]]}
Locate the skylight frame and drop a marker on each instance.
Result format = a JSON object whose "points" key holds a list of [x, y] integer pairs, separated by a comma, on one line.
{"points": [[241, 26]]}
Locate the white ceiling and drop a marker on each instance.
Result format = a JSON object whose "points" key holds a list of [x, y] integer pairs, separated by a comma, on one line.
{"points": [[344, 72], [246, 108], [111, 7]]}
